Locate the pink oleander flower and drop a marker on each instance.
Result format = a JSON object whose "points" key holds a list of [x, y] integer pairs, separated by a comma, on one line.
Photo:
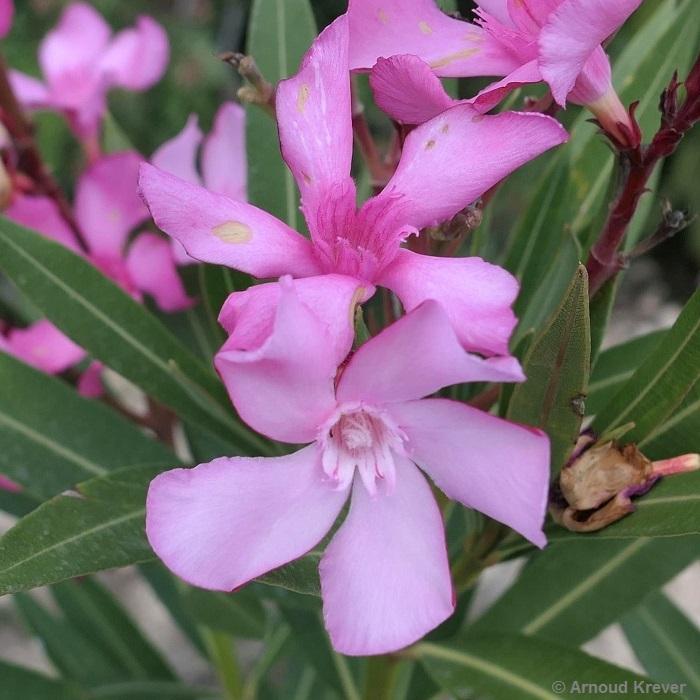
{"points": [[223, 162], [446, 164], [527, 41], [81, 61], [385, 577], [7, 11]]}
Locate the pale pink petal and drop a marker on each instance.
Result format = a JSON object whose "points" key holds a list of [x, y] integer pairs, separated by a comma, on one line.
{"points": [[249, 316], [107, 204], [178, 156], [451, 160], [224, 162], [41, 214], [385, 578], [594, 80], [90, 382], [497, 9], [476, 295], [152, 269], [9, 485], [452, 47], [572, 32], [416, 356], [44, 347], [283, 387], [7, 10], [137, 58], [214, 228], [70, 53], [406, 88], [221, 524], [31, 93], [492, 94], [314, 120], [486, 463]]}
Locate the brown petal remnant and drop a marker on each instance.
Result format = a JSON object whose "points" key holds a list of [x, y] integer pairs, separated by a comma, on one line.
{"points": [[597, 486]]}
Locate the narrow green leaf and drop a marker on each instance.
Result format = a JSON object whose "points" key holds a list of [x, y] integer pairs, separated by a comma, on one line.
{"points": [[279, 33], [666, 642], [572, 590], [117, 330], [300, 576], [517, 668], [151, 690], [89, 607], [661, 382], [18, 683], [556, 366], [239, 613], [53, 438]]}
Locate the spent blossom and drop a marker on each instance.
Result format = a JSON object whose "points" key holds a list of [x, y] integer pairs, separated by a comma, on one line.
{"points": [[81, 61], [527, 41], [446, 164], [385, 576]]}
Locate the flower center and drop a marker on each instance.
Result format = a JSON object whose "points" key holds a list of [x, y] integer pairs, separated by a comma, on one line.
{"points": [[361, 437]]}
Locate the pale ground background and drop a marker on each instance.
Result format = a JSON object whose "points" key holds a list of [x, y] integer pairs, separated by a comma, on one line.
{"points": [[643, 306]]}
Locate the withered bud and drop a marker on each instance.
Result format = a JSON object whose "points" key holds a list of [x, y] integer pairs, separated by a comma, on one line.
{"points": [[596, 488], [461, 224]]}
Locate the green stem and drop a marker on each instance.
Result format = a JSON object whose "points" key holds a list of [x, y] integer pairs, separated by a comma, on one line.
{"points": [[381, 677], [221, 652]]}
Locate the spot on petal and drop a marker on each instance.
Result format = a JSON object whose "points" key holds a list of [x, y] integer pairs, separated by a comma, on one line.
{"points": [[430, 144], [307, 178], [457, 56], [425, 27], [383, 16], [303, 97], [445, 128], [233, 232]]}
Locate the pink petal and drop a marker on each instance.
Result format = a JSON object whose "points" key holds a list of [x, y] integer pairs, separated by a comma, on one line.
{"points": [[283, 387], [314, 120], [406, 88], [107, 205], [221, 524], [7, 10], [224, 161], [492, 94], [497, 9], [450, 161], [416, 356], [594, 81], [249, 316], [572, 32], [214, 228], [72, 50], [90, 382], [178, 156], [137, 58], [476, 295], [44, 347], [385, 578], [151, 266], [31, 93], [487, 463], [41, 214], [384, 28]]}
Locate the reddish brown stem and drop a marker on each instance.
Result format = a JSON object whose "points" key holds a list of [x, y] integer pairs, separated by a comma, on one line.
{"points": [[638, 163], [30, 160]]}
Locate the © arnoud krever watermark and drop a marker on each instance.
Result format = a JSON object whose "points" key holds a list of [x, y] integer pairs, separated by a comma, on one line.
{"points": [[640, 687]]}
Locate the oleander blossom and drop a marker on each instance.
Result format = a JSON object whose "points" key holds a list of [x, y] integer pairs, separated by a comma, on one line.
{"points": [[527, 41], [445, 165], [385, 577], [81, 61]]}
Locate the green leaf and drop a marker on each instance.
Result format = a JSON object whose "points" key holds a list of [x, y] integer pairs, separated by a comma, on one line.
{"points": [[20, 683], [101, 527], [300, 576], [516, 668], [150, 690], [615, 366], [572, 590], [666, 642], [556, 366], [53, 438], [114, 328], [91, 609], [240, 614], [660, 383], [279, 33]]}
